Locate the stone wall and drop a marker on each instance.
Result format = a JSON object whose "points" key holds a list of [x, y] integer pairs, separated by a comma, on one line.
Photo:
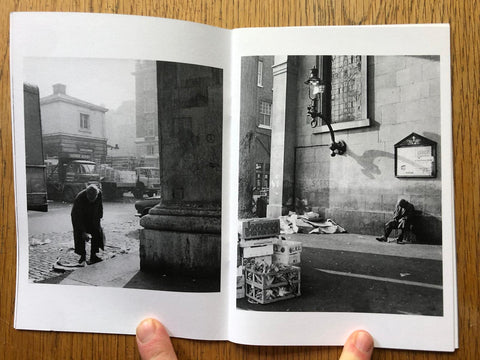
{"points": [[359, 189]]}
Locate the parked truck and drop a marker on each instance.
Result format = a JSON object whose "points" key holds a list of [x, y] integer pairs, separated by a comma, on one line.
{"points": [[116, 182], [148, 181], [68, 174], [35, 168], [141, 181]]}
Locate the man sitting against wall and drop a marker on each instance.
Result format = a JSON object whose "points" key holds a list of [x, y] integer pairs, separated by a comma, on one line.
{"points": [[402, 218]]}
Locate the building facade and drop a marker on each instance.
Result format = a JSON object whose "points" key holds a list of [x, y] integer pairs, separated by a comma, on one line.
{"points": [[374, 103], [256, 133], [71, 125], [120, 129], [146, 113]]}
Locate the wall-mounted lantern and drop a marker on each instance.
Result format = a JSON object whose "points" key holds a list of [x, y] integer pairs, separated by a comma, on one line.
{"points": [[316, 89]]}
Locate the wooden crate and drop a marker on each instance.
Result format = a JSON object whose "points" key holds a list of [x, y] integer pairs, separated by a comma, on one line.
{"points": [[255, 251], [265, 288], [249, 262], [256, 242], [258, 228]]}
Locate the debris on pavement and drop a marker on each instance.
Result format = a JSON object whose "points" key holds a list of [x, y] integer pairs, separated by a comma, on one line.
{"points": [[34, 241], [309, 223], [67, 266]]}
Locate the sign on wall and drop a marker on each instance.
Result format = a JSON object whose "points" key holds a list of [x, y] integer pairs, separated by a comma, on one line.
{"points": [[416, 157]]}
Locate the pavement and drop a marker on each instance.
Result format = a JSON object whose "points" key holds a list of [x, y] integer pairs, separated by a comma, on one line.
{"points": [[51, 236], [114, 272], [367, 244], [123, 270], [357, 273]]}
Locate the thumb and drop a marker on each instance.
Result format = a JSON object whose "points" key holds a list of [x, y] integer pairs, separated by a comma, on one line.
{"points": [[154, 342], [359, 346]]}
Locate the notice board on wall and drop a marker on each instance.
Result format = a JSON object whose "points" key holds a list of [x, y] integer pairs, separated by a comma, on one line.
{"points": [[416, 157]]}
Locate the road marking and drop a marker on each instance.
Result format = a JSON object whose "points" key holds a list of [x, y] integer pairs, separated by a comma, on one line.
{"points": [[378, 278]]}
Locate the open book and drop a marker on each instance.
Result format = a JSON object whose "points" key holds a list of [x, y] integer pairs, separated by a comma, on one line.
{"points": [[269, 186]]}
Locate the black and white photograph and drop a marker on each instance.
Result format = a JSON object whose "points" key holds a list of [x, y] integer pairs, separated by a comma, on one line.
{"points": [[340, 184], [123, 173]]}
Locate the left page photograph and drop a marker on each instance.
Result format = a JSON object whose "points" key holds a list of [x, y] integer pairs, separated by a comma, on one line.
{"points": [[119, 138]]}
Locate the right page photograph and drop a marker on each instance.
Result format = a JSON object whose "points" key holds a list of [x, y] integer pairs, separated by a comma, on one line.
{"points": [[344, 177]]}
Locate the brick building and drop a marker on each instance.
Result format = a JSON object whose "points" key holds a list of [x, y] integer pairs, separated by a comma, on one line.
{"points": [[256, 134]]}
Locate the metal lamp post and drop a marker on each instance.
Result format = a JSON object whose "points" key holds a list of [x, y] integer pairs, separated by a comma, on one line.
{"points": [[315, 93]]}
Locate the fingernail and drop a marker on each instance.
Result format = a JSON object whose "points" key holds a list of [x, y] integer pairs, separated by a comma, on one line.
{"points": [[146, 330], [364, 342]]}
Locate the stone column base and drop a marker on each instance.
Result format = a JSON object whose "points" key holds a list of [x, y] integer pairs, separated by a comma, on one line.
{"points": [[180, 253]]}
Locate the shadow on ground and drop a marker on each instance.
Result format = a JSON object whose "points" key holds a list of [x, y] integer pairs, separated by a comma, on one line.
{"points": [[149, 281]]}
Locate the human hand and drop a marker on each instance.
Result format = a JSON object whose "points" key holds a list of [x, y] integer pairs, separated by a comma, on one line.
{"points": [[154, 343], [359, 346], [85, 237]]}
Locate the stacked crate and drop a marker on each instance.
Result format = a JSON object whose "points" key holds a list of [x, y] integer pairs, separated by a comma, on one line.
{"points": [[272, 283], [256, 238], [265, 281]]}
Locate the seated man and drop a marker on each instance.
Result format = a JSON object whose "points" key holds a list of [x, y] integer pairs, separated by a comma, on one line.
{"points": [[401, 220], [86, 213]]}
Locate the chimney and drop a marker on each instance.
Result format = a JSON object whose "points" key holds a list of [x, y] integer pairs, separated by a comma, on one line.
{"points": [[60, 89]]}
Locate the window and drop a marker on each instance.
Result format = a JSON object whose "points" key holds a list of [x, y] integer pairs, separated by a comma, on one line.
{"points": [[84, 122], [265, 113], [262, 176], [347, 88], [149, 127], [150, 149], [260, 73], [347, 99]]}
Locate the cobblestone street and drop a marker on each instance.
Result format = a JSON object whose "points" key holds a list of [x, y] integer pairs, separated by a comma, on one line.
{"points": [[49, 239]]}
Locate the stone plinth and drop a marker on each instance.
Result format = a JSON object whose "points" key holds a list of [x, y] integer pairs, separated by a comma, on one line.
{"points": [[181, 241], [176, 253]]}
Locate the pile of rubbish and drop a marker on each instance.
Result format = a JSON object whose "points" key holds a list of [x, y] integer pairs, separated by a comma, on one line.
{"points": [[308, 223]]}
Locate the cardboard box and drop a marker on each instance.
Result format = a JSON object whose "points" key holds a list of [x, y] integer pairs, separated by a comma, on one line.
{"points": [[240, 281], [240, 270], [286, 259], [241, 292], [240, 287], [281, 246]]}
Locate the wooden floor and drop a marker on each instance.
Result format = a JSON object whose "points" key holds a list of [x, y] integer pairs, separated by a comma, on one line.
{"points": [[464, 17]]}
